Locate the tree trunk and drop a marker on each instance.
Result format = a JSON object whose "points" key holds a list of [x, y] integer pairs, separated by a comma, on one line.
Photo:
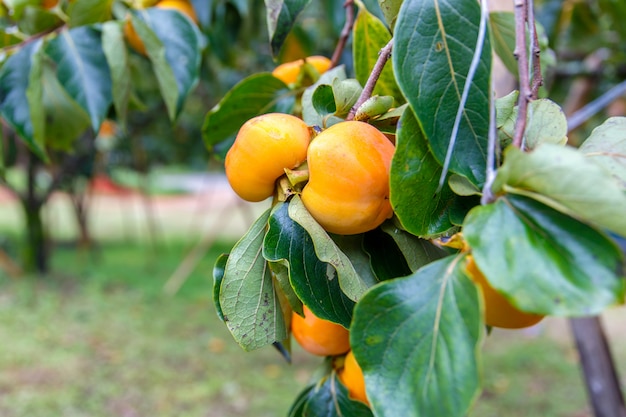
{"points": [[36, 251]]}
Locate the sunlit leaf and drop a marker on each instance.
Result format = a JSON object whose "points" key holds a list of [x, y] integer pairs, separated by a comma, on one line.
{"points": [[607, 147], [390, 9], [84, 12], [422, 332], [544, 261]]}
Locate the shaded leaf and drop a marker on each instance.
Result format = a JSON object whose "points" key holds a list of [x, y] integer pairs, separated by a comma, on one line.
{"points": [[502, 30], [309, 114], [414, 182], [386, 258], [328, 398], [434, 44], [423, 332], [249, 303], [83, 71], [606, 146], [565, 179], [544, 261], [218, 277], [118, 60], [281, 16]]}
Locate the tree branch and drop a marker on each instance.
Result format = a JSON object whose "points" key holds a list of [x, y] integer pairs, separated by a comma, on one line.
{"points": [[345, 33], [535, 56], [383, 57], [589, 110], [522, 66]]}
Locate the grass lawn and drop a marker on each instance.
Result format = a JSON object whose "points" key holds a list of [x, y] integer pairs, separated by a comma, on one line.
{"points": [[99, 338]]}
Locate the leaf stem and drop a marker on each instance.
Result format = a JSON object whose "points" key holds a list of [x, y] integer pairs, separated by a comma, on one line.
{"points": [[383, 57], [345, 33]]}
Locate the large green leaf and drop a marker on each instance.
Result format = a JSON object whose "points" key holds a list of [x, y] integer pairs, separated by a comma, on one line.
{"points": [[414, 182], [182, 42], [607, 147], [386, 258], [281, 16], [314, 281], [84, 12], [370, 36], [434, 43], [249, 303], [117, 56], [20, 90], [255, 95], [420, 334], [544, 261], [83, 70], [568, 181], [416, 251]]}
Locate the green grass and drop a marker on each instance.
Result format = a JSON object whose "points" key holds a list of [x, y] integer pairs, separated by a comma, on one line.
{"points": [[99, 338]]}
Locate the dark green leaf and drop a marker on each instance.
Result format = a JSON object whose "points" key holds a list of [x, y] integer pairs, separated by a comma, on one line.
{"points": [[568, 181], [314, 281], [84, 12], [324, 100], [607, 147], [329, 398], [414, 181], [544, 261], [35, 20], [352, 247], [83, 70], [370, 36], [117, 57], [417, 251], [218, 277], [420, 333], [297, 408], [281, 16], [434, 44], [255, 95], [249, 303], [387, 260], [17, 92]]}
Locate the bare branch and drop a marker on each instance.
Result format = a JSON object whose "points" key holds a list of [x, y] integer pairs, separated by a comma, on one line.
{"points": [[345, 33], [522, 66], [535, 56], [383, 57], [589, 110]]}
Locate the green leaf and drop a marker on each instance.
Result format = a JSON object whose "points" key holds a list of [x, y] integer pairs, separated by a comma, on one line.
{"points": [[35, 20], [352, 285], [568, 181], [502, 30], [35, 97], [544, 261], [545, 122], [346, 93], [422, 332], [390, 9], [83, 70], [352, 247], [414, 182], [370, 36], [313, 280], [16, 93], [387, 260], [606, 146], [182, 43], [255, 95], [281, 16], [249, 303], [323, 100], [118, 60], [434, 44], [417, 251], [218, 276], [309, 113], [84, 12], [328, 398]]}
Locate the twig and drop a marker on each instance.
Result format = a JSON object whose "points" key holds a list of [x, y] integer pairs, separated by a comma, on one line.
{"points": [[589, 110], [383, 57], [535, 56], [345, 33], [522, 66], [31, 39]]}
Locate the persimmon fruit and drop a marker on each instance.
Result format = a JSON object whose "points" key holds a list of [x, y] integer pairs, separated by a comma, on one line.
{"points": [[318, 336], [289, 71], [265, 145], [351, 376], [499, 312], [348, 188]]}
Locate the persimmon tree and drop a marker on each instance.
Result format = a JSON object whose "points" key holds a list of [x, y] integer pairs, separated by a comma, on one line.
{"points": [[494, 210]]}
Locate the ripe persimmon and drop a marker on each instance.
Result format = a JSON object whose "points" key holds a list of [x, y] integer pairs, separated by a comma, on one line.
{"points": [[318, 336], [351, 376], [348, 188], [263, 148], [289, 71], [499, 312]]}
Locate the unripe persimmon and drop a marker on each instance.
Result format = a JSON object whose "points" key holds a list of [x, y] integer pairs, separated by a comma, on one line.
{"points": [[499, 312], [351, 376], [348, 188], [263, 148], [289, 71], [183, 6], [318, 336]]}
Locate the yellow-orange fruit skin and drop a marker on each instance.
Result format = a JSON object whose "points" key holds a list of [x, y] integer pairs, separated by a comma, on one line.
{"points": [[348, 188], [288, 72], [352, 377], [263, 148], [319, 337], [499, 312], [182, 6], [49, 4]]}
